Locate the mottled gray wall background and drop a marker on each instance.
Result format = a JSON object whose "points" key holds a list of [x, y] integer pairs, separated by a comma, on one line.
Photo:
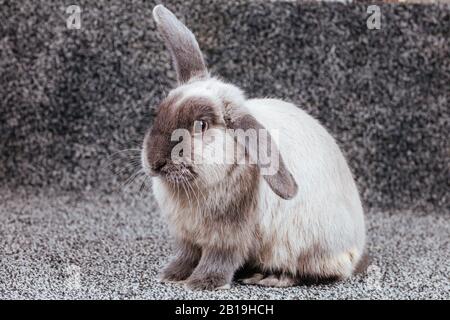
{"points": [[70, 98]]}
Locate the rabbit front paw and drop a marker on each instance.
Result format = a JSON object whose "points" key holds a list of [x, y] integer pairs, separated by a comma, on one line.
{"points": [[211, 281], [176, 271]]}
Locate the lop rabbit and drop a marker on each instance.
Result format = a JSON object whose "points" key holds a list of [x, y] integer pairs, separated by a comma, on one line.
{"points": [[304, 221]]}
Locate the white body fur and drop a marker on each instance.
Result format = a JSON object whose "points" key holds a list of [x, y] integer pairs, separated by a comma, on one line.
{"points": [[322, 227]]}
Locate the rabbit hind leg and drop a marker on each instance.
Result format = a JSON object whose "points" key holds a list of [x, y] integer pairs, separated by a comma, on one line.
{"points": [[327, 269]]}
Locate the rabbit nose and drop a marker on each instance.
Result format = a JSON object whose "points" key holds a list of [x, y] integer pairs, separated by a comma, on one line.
{"points": [[158, 165]]}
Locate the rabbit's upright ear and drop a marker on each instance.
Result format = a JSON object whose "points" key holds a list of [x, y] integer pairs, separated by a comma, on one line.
{"points": [[281, 182], [182, 45]]}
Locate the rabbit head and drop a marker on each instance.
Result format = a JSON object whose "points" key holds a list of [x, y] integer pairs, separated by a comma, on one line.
{"points": [[193, 136]]}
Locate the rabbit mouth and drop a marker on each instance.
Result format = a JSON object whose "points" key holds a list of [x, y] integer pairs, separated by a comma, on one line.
{"points": [[179, 174]]}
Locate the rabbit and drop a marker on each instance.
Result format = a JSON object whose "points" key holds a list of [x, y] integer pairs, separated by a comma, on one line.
{"points": [[302, 222]]}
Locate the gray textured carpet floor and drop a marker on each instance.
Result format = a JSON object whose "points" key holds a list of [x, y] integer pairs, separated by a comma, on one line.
{"points": [[75, 245]]}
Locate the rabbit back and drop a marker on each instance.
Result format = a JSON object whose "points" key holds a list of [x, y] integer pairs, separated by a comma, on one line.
{"points": [[321, 230]]}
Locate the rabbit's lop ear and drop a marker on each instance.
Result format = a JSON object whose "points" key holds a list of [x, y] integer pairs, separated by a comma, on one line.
{"points": [[281, 180], [182, 45]]}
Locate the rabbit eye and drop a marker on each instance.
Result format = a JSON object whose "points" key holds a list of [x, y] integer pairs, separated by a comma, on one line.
{"points": [[200, 126]]}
